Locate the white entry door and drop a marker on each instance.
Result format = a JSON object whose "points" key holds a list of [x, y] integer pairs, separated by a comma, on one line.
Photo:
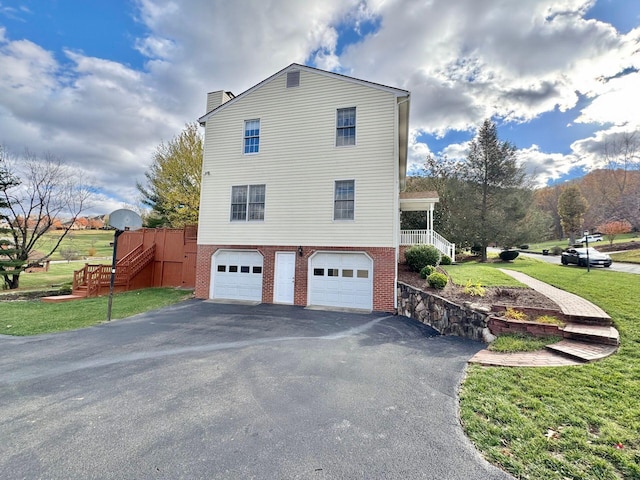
{"points": [[284, 277]]}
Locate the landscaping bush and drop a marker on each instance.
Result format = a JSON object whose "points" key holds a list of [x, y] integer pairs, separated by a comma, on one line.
{"points": [[426, 271], [445, 260], [476, 249], [524, 247], [419, 256], [556, 250], [508, 255], [437, 280]]}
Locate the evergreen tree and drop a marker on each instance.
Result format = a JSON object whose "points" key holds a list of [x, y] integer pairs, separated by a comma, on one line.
{"points": [[495, 190], [571, 207]]}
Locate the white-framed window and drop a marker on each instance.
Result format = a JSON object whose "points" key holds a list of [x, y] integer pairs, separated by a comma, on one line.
{"points": [[251, 136], [344, 200], [346, 127], [247, 202]]}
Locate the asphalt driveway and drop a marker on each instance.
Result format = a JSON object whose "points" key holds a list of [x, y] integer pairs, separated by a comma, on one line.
{"points": [[205, 391]]}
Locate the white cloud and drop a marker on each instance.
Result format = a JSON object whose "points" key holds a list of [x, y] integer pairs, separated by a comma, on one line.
{"points": [[544, 167], [463, 61]]}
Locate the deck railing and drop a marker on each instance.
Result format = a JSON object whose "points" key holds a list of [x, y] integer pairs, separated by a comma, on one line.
{"points": [[428, 237]]}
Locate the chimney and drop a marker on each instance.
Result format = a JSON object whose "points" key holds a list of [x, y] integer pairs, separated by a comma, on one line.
{"points": [[217, 98]]}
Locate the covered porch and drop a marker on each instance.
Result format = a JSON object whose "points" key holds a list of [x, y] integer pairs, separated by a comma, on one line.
{"points": [[424, 202]]}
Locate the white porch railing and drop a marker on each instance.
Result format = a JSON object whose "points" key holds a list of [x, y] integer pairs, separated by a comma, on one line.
{"points": [[428, 237]]}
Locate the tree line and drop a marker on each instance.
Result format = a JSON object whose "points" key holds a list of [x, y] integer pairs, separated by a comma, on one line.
{"points": [[487, 198]]}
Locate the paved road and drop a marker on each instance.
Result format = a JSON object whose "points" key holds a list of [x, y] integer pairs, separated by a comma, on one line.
{"points": [[615, 266], [204, 390]]}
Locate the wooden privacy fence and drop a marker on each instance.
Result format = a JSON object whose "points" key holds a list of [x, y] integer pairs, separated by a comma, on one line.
{"points": [[145, 258]]}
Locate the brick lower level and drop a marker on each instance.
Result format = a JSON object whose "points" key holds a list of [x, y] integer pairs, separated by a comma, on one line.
{"points": [[384, 271]]}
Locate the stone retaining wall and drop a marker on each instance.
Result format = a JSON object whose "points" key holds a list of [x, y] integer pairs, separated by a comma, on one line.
{"points": [[446, 317]]}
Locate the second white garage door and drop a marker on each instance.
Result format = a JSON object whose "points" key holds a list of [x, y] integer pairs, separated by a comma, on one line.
{"points": [[236, 275], [341, 280]]}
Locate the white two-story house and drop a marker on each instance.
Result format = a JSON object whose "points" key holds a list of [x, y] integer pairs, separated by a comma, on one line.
{"points": [[300, 201]]}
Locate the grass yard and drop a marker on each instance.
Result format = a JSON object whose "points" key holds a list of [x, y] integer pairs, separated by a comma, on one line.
{"points": [[630, 256], [58, 274], [561, 423], [35, 317], [80, 241]]}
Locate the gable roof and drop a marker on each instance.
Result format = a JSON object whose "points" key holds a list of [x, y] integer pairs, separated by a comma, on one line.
{"points": [[401, 95], [398, 92]]}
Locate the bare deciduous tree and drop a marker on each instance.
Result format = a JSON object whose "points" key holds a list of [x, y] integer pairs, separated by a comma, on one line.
{"points": [[45, 190]]}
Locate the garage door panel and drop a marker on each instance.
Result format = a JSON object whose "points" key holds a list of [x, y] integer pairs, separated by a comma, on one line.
{"points": [[341, 280], [237, 276]]}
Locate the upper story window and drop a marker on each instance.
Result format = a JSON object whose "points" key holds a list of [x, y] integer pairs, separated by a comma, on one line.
{"points": [[247, 202], [251, 136], [344, 200], [346, 127]]}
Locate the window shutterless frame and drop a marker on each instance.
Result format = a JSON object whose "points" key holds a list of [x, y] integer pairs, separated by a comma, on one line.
{"points": [[251, 137], [346, 127], [247, 203], [344, 199]]}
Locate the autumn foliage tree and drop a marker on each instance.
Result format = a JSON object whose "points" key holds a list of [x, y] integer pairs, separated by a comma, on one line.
{"points": [[173, 180], [612, 229]]}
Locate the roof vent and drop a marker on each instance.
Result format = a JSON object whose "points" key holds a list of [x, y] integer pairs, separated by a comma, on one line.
{"points": [[293, 78]]}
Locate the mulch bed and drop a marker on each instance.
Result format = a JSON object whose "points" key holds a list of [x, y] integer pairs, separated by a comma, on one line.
{"points": [[508, 296]]}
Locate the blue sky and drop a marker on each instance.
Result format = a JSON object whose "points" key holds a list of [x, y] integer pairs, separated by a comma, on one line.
{"points": [[101, 83]]}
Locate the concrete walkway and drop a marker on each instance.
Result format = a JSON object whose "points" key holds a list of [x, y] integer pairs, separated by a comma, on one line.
{"points": [[572, 306], [569, 304]]}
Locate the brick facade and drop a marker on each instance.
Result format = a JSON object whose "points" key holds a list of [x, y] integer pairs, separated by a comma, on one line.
{"points": [[384, 271]]}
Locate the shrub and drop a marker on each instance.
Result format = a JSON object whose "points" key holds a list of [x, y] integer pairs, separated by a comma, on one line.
{"points": [[437, 280], [419, 256], [476, 249], [556, 250], [514, 314], [427, 270], [550, 320], [524, 247], [445, 260], [508, 255], [92, 252], [474, 289]]}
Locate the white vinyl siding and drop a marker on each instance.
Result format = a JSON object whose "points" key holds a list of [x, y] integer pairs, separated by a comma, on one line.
{"points": [[300, 162]]}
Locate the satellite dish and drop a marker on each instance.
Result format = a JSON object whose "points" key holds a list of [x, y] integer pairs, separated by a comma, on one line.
{"points": [[124, 219]]}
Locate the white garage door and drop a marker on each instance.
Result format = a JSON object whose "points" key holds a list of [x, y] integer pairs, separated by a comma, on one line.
{"points": [[341, 280], [236, 275]]}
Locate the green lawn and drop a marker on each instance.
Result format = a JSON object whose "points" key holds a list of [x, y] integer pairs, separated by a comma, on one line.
{"points": [[81, 241], [35, 317], [58, 274], [630, 256], [569, 422]]}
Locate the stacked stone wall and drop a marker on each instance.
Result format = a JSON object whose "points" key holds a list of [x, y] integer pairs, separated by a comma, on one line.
{"points": [[446, 317]]}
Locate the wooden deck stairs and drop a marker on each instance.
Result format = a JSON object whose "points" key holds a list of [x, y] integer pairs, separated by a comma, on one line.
{"points": [[94, 280]]}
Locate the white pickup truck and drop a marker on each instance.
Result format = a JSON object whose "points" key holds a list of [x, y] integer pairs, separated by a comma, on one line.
{"points": [[590, 238]]}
